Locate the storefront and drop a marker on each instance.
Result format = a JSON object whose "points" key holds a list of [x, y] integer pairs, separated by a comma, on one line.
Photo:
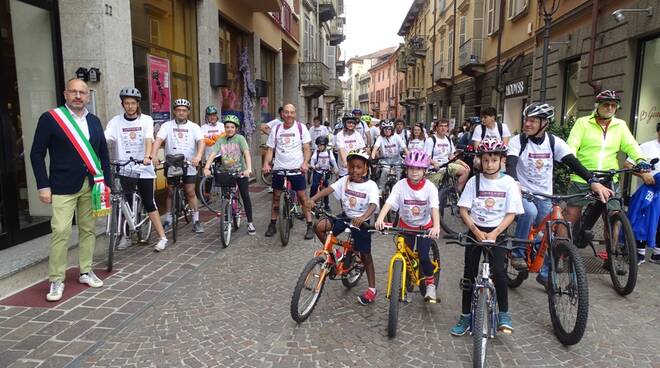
{"points": [[31, 74], [515, 100], [647, 107]]}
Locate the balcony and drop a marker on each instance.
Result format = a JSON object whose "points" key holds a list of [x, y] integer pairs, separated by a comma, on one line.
{"points": [[413, 95], [442, 74], [401, 65], [391, 102], [340, 65], [337, 31], [463, 5], [375, 106], [262, 5], [314, 78], [417, 46], [287, 21], [364, 97], [327, 10], [470, 60], [411, 60], [334, 89]]}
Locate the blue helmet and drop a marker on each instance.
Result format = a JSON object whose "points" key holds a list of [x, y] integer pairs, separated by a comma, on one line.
{"points": [[356, 111]]}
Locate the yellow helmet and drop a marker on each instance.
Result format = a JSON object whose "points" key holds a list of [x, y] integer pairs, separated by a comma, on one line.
{"points": [[366, 119]]}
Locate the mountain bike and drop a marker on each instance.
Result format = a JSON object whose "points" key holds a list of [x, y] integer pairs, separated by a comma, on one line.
{"points": [[208, 191], [129, 220], [620, 257], [484, 300], [567, 286], [336, 260], [393, 173], [176, 167], [404, 272], [289, 205], [231, 206], [265, 178], [323, 183], [448, 195]]}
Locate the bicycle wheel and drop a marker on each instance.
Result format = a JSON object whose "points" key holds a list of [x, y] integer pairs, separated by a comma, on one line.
{"points": [[236, 210], [175, 214], [622, 257], [390, 217], [209, 194], [450, 219], [514, 278], [395, 298], [284, 219], [225, 223], [568, 293], [353, 276], [114, 236], [144, 232], [184, 207], [308, 289], [435, 259], [480, 328]]}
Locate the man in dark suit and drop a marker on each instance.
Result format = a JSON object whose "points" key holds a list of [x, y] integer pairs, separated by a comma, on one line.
{"points": [[68, 188]]}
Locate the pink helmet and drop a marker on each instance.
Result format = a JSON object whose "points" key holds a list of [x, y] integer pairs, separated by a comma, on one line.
{"points": [[418, 158], [492, 145]]}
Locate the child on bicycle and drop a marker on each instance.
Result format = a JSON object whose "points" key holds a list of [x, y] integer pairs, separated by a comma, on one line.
{"points": [[390, 147], [416, 199], [493, 200], [322, 160], [359, 199]]}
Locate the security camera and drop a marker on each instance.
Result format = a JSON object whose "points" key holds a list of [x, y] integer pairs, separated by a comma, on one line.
{"points": [[618, 16]]}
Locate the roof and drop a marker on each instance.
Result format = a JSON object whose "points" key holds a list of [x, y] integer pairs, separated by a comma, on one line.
{"points": [[373, 55], [385, 59], [409, 20]]}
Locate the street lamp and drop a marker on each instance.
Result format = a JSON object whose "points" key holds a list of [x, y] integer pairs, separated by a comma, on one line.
{"points": [[620, 17], [548, 12]]}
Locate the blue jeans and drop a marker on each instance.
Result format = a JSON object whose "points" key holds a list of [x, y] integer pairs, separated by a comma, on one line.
{"points": [[316, 179], [535, 212]]}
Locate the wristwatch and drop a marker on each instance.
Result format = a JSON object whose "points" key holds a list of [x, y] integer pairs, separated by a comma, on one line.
{"points": [[593, 180]]}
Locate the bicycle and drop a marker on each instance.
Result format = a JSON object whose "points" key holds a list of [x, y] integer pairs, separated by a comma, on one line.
{"points": [[448, 195], [391, 180], [207, 191], [335, 260], [177, 166], [265, 178], [129, 220], [289, 206], [484, 300], [231, 208], [323, 183], [566, 285], [404, 272], [620, 259]]}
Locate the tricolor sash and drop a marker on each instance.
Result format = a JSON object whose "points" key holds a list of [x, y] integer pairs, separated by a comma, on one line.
{"points": [[100, 192]]}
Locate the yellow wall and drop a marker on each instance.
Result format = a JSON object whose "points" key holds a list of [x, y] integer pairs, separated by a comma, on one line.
{"points": [[515, 32]]}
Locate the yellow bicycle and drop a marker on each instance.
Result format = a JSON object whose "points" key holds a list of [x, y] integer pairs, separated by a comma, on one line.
{"points": [[404, 272]]}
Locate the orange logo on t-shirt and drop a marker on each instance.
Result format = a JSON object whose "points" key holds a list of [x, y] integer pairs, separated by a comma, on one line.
{"points": [[352, 201], [415, 210], [132, 135], [538, 164], [490, 203]]}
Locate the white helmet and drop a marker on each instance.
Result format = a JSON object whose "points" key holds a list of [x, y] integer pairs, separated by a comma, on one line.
{"points": [[387, 124], [181, 102]]}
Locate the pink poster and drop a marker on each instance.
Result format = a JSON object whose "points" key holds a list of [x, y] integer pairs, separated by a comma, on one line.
{"points": [[159, 88]]}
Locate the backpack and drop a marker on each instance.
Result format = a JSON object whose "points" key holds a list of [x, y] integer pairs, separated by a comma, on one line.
{"points": [[434, 140], [277, 129], [500, 129], [524, 139]]}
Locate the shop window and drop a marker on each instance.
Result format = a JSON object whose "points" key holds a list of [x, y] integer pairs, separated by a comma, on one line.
{"points": [[571, 89], [648, 92]]}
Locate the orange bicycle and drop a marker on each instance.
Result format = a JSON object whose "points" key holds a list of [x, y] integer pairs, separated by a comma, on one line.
{"points": [[567, 289]]}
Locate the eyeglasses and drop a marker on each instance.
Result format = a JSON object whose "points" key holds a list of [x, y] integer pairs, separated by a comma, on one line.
{"points": [[77, 93]]}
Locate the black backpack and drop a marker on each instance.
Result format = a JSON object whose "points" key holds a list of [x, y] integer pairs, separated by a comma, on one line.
{"points": [[500, 129], [524, 139]]}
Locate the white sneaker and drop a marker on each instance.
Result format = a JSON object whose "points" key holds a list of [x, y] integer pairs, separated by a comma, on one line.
{"points": [[270, 189], [161, 245], [55, 292], [123, 243], [90, 279], [430, 295], [251, 229]]}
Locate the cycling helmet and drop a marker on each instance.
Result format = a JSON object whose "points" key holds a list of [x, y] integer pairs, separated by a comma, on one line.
{"points": [[130, 92], [348, 117], [608, 95], [181, 102], [339, 125], [366, 119], [356, 111], [231, 119], [210, 110], [387, 124], [418, 158], [539, 110], [358, 153], [491, 145], [322, 140]]}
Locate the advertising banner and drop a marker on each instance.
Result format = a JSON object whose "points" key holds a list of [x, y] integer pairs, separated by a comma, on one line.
{"points": [[159, 88]]}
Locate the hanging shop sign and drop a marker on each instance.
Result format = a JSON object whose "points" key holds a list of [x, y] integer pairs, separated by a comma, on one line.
{"points": [[515, 88]]}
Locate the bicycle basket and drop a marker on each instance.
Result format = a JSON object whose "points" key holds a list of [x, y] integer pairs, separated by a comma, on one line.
{"points": [[223, 179]]}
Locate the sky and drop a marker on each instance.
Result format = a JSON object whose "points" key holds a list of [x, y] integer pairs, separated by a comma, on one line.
{"points": [[372, 25]]}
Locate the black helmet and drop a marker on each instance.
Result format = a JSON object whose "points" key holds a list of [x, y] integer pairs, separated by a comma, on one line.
{"points": [[348, 117], [322, 140]]}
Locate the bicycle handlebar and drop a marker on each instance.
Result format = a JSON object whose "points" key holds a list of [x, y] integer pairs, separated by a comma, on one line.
{"points": [[131, 160], [506, 243], [286, 172], [612, 172], [556, 197]]}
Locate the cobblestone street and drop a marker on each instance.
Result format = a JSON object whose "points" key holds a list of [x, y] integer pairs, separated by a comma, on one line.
{"points": [[197, 305]]}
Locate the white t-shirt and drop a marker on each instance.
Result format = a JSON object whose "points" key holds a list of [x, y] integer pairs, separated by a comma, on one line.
{"points": [[209, 131], [129, 139], [323, 160], [375, 132], [315, 132], [356, 198], [348, 143], [491, 132], [417, 144], [390, 148], [289, 147], [442, 149], [181, 138], [535, 164], [414, 206], [651, 150], [362, 128], [497, 198], [273, 122], [405, 134]]}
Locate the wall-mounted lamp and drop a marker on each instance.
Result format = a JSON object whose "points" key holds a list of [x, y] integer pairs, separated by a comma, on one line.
{"points": [[620, 17]]}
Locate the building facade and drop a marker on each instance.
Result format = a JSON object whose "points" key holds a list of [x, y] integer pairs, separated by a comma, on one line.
{"points": [[386, 82]]}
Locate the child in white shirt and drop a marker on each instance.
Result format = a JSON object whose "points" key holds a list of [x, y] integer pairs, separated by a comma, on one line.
{"points": [[322, 164]]}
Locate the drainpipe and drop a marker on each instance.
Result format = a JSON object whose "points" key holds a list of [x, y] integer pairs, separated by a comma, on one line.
{"points": [[499, 55], [453, 58], [596, 85], [435, 7]]}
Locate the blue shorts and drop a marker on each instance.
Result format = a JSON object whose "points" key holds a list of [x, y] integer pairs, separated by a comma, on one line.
{"points": [[361, 238], [298, 182]]}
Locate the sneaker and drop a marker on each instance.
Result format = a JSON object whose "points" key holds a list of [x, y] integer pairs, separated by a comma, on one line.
{"points": [[367, 297], [462, 326], [519, 263], [270, 189], [123, 243], [167, 225], [327, 209], [310, 232], [504, 322], [430, 290], [251, 229], [197, 227], [90, 279], [271, 230], [655, 258], [56, 291], [161, 245], [641, 258]]}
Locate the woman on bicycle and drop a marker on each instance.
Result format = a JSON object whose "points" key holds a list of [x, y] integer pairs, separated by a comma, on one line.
{"points": [[235, 157], [493, 200], [416, 199], [132, 134], [418, 139], [389, 146]]}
